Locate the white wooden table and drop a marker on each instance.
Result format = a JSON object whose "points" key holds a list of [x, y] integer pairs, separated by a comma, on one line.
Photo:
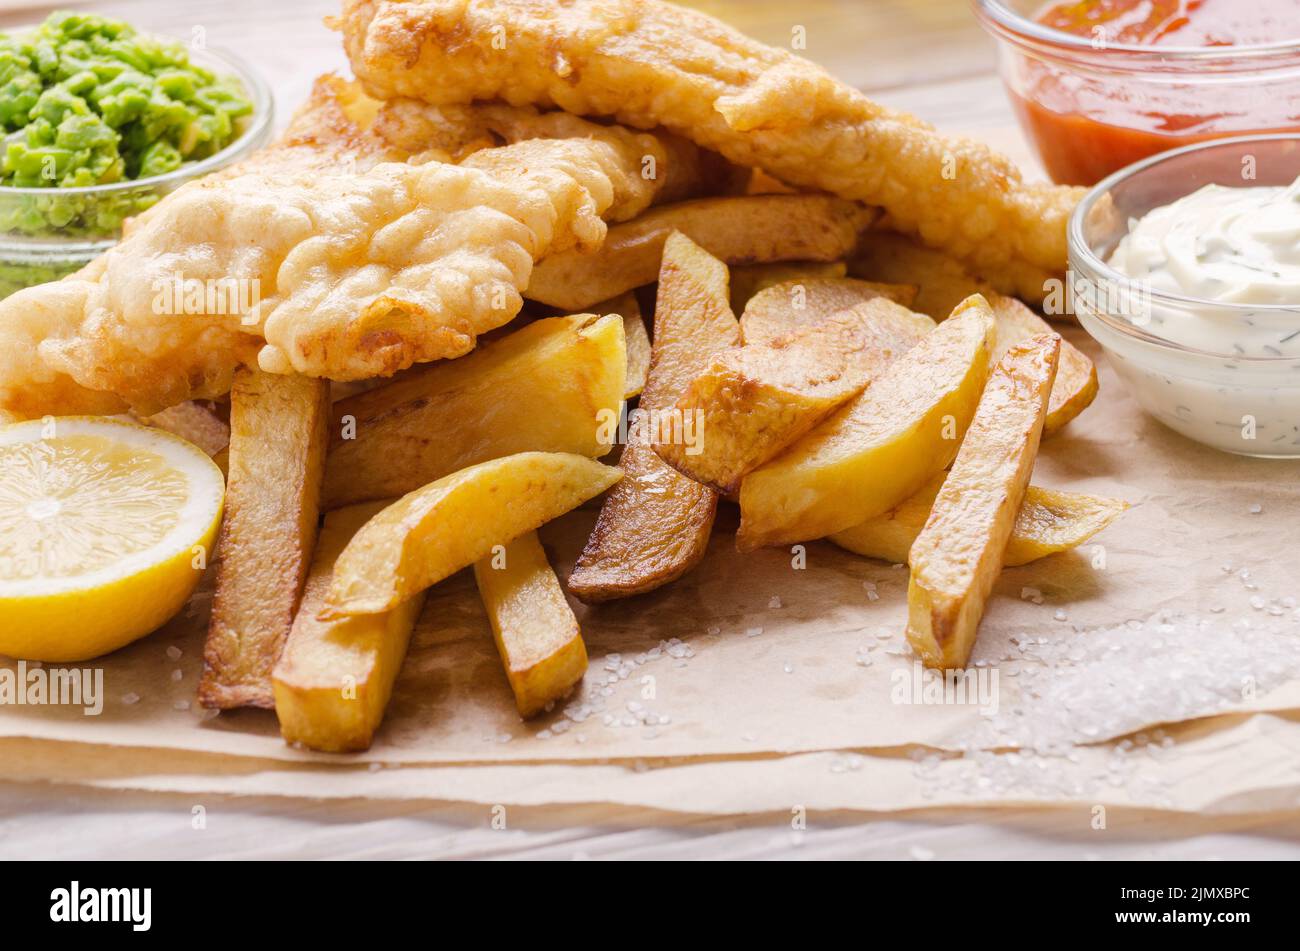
{"points": [[927, 56]]}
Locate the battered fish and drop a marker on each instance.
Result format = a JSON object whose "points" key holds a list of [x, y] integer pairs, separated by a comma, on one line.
{"points": [[325, 257], [648, 63]]}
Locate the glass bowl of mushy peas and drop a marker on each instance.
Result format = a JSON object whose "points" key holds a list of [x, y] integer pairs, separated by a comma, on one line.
{"points": [[99, 121]]}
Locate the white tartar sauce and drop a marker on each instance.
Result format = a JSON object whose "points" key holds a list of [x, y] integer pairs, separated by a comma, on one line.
{"points": [[1232, 257], [1229, 246]]}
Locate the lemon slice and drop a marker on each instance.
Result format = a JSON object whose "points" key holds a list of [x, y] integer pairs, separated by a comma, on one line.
{"points": [[105, 528]]}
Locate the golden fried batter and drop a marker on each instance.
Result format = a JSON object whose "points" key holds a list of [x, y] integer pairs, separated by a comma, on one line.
{"points": [[649, 64], [322, 256]]}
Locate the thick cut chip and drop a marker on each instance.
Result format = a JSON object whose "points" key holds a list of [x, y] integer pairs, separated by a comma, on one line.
{"points": [[536, 633], [942, 281], [635, 337], [278, 437], [547, 387], [1049, 521], [1076, 375], [957, 557], [196, 422], [782, 308], [880, 448], [452, 523], [334, 678], [653, 528], [753, 401], [945, 282], [693, 320], [748, 279], [742, 230], [655, 524]]}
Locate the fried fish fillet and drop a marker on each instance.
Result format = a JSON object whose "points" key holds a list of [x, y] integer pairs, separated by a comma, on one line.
{"points": [[682, 169], [323, 257], [35, 378], [648, 64]]}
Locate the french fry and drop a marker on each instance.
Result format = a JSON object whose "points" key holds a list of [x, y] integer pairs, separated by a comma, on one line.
{"points": [[196, 422], [743, 230], [753, 401], [278, 435], [649, 532], [944, 282], [535, 631], [448, 525], [543, 388], [693, 320], [1076, 375], [1049, 521], [636, 339], [880, 448], [748, 279], [655, 524], [334, 678], [956, 558], [782, 308]]}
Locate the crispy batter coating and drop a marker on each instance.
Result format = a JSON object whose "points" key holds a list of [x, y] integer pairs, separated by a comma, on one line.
{"points": [[649, 64], [323, 257]]}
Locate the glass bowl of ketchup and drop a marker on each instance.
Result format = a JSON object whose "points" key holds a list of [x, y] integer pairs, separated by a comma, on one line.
{"points": [[1100, 84]]}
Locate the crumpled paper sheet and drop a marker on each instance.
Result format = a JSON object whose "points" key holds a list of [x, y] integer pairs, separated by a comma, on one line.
{"points": [[1224, 766], [774, 649]]}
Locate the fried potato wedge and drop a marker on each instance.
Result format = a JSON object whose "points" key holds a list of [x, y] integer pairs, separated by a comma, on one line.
{"points": [[653, 528], [278, 436], [544, 388], [956, 558], [1049, 521], [535, 631], [1076, 375], [742, 230], [753, 401], [636, 340], [693, 320], [334, 678], [448, 525], [748, 279], [655, 524], [944, 282], [782, 308], [880, 448], [194, 421]]}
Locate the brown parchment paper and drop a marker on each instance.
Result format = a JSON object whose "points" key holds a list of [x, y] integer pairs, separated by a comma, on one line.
{"points": [[758, 656], [1226, 765]]}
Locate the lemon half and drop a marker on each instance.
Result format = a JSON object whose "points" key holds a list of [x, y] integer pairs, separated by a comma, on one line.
{"points": [[105, 529]]}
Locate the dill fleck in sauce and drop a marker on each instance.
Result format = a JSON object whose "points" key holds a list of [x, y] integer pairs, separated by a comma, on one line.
{"points": [[1234, 246], [1221, 268]]}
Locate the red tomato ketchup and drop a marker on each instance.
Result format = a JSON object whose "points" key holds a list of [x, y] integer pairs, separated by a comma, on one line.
{"points": [[1096, 108]]}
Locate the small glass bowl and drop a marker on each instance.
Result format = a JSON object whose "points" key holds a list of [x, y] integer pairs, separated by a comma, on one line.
{"points": [[34, 257], [1093, 107], [1244, 404]]}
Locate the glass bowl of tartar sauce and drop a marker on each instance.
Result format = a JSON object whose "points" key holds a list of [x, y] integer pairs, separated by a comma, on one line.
{"points": [[1185, 267]]}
